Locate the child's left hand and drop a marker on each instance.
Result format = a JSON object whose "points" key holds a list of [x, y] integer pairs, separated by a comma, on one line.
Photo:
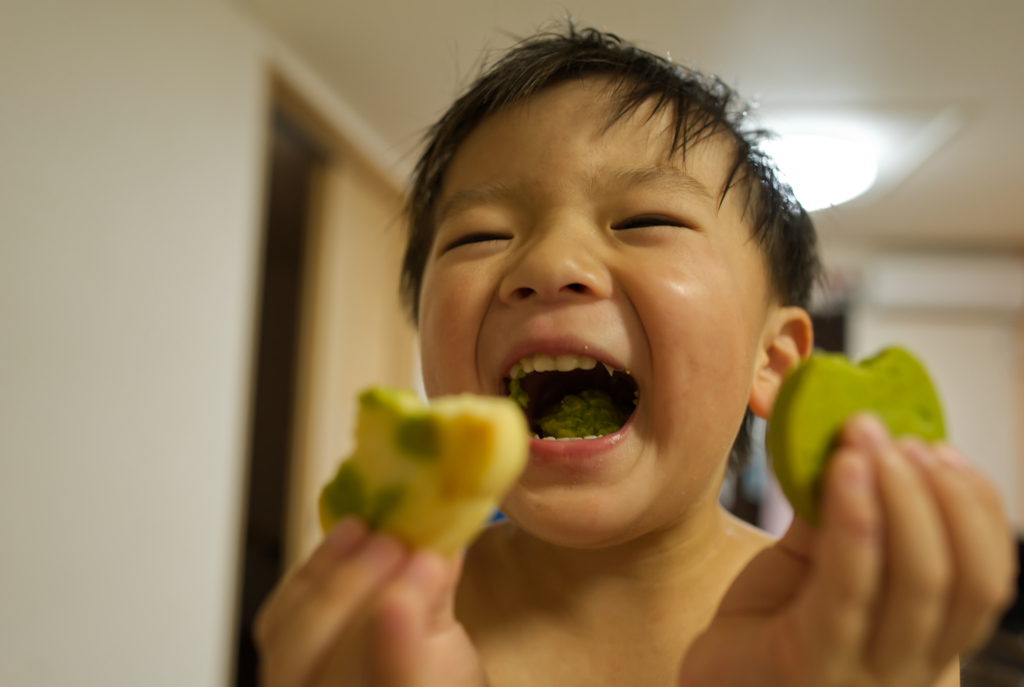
{"points": [[912, 565]]}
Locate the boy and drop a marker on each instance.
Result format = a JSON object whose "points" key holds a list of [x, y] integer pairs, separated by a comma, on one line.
{"points": [[587, 202]]}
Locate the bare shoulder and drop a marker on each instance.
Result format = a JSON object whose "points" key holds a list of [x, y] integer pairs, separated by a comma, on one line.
{"points": [[490, 548], [744, 539], [487, 562]]}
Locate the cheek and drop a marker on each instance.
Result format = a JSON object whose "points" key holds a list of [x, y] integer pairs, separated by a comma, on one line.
{"points": [[701, 335], [451, 307]]}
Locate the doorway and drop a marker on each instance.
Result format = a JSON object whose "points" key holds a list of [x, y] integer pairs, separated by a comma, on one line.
{"points": [[295, 161]]}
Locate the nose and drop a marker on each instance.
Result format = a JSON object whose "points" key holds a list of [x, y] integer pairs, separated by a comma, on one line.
{"points": [[559, 264]]}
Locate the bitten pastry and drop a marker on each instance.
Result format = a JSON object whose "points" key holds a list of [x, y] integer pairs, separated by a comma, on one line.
{"points": [[433, 474], [818, 397]]}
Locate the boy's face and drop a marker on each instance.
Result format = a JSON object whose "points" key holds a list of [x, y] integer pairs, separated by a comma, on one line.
{"points": [[592, 242]]}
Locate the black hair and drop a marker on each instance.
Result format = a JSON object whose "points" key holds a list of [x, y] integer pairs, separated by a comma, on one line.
{"points": [[703, 106]]}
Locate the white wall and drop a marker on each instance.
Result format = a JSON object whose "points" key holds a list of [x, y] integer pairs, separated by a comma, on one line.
{"points": [[130, 169]]}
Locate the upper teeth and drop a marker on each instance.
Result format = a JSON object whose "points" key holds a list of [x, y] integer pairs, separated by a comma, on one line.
{"points": [[547, 363]]}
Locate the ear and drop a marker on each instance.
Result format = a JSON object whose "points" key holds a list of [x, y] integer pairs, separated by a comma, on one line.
{"points": [[787, 339]]}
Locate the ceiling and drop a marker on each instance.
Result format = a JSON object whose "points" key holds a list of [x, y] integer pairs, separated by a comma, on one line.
{"points": [[947, 76]]}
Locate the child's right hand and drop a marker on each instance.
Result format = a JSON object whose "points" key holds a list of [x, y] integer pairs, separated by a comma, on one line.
{"points": [[912, 565], [363, 611]]}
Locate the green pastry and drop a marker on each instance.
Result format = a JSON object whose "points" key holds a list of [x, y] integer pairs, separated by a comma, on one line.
{"points": [[822, 392]]}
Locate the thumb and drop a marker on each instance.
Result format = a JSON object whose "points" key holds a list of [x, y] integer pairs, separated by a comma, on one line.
{"points": [[443, 611], [408, 611], [848, 567]]}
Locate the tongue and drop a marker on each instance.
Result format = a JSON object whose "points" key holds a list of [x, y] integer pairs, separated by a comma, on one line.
{"points": [[589, 413]]}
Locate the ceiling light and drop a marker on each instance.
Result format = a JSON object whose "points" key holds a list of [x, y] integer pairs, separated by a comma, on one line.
{"points": [[824, 170]]}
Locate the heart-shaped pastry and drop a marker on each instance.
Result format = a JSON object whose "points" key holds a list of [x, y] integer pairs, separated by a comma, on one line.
{"points": [[822, 392]]}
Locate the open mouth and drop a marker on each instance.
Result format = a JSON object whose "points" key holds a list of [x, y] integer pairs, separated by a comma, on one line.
{"points": [[571, 396]]}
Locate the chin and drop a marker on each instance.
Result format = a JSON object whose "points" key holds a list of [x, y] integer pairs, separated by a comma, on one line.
{"points": [[579, 518]]}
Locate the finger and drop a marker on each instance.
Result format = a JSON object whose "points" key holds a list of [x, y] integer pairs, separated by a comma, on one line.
{"points": [[344, 538], [981, 554], [918, 568], [406, 614], [987, 495], [444, 608], [834, 616], [307, 632], [986, 492]]}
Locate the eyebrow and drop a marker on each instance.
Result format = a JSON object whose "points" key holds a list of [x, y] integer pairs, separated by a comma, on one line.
{"points": [[671, 178], [480, 194], [666, 176]]}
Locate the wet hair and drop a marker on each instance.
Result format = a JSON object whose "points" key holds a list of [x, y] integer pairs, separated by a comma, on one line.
{"points": [[701, 107]]}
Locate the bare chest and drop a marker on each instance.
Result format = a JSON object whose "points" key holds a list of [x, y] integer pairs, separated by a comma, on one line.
{"points": [[536, 653]]}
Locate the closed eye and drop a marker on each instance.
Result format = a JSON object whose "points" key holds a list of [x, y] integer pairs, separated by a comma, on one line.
{"points": [[648, 221], [475, 238]]}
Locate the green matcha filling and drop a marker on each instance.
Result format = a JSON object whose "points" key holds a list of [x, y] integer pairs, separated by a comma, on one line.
{"points": [[517, 394], [589, 413]]}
